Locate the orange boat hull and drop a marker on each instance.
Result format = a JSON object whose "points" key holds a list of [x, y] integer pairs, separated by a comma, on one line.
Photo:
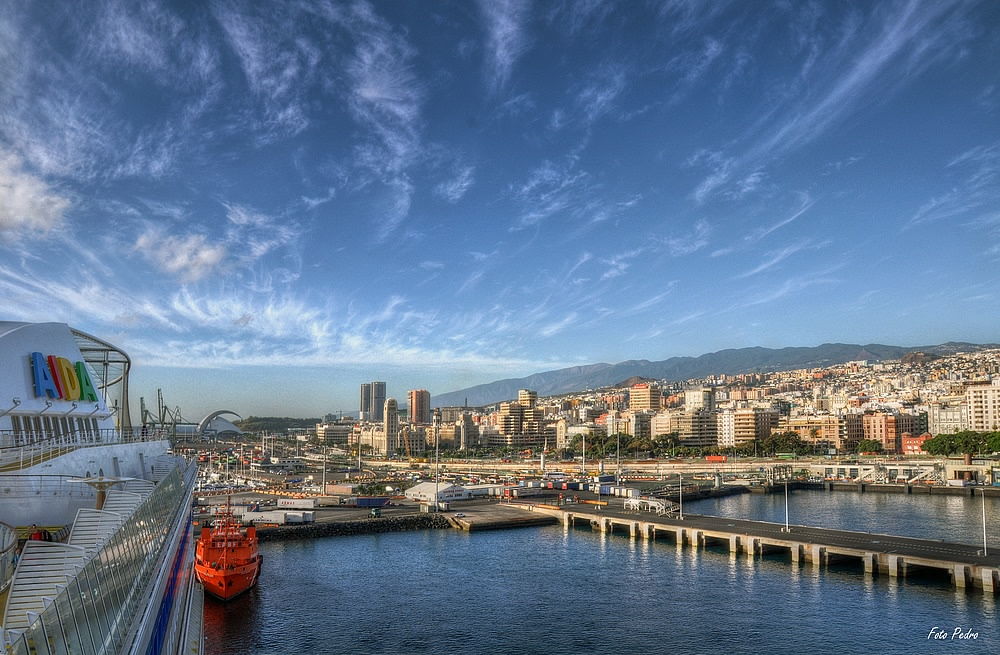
{"points": [[229, 583], [227, 562]]}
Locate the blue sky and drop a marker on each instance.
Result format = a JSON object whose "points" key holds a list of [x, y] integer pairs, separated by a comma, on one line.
{"points": [[268, 203]]}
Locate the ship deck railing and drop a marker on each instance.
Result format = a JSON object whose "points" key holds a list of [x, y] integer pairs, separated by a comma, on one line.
{"points": [[20, 450], [71, 601]]}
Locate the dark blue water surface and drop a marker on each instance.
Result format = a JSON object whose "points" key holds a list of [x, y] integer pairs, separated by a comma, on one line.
{"points": [[563, 591]]}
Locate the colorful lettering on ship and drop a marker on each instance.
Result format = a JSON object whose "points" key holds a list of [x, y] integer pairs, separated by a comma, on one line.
{"points": [[57, 377]]}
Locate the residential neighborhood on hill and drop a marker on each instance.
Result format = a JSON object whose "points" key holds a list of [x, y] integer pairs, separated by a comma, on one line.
{"points": [[892, 406]]}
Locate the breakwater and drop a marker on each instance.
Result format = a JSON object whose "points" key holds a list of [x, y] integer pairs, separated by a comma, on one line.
{"points": [[356, 527]]}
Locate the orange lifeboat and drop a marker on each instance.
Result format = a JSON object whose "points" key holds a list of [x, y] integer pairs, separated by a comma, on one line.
{"points": [[227, 561]]}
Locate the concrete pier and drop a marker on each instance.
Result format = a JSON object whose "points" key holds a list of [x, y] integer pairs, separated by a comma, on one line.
{"points": [[887, 555]]}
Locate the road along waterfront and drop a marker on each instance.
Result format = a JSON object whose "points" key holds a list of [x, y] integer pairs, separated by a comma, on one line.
{"points": [[558, 590]]}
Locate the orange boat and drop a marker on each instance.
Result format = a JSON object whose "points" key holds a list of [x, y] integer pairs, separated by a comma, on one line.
{"points": [[227, 561]]}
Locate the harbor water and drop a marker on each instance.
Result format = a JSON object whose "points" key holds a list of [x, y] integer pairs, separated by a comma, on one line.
{"points": [[562, 591]]}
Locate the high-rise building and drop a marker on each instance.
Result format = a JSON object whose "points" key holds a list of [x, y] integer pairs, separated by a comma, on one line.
{"points": [[378, 401], [420, 406], [390, 423], [366, 401], [644, 398], [527, 398], [372, 402]]}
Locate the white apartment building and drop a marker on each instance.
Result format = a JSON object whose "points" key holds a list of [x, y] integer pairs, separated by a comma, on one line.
{"points": [[984, 406]]}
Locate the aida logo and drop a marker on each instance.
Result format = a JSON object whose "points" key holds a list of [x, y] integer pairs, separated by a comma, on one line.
{"points": [[57, 377]]}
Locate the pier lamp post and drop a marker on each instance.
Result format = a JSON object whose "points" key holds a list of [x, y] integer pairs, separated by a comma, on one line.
{"points": [[985, 553], [618, 464], [786, 528], [680, 494]]}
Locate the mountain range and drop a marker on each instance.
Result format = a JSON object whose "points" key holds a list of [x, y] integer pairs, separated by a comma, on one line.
{"points": [[677, 369]]}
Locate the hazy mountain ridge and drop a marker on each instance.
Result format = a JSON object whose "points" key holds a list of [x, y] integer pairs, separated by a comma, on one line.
{"points": [[729, 362]]}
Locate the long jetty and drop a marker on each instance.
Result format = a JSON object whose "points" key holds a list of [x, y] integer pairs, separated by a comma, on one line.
{"points": [[968, 566]]}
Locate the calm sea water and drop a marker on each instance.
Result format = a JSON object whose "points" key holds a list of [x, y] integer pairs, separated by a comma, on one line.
{"points": [[564, 591]]}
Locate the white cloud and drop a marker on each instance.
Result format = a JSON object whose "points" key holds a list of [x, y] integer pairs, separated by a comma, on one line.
{"points": [[190, 258], [27, 203]]}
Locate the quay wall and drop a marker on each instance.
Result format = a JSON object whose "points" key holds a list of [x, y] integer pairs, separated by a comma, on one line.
{"points": [[356, 527]]}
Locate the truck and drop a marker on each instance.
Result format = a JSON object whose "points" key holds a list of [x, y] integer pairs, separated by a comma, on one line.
{"points": [[297, 503], [278, 517], [366, 501]]}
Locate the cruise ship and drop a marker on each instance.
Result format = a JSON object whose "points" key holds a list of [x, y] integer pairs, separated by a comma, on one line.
{"points": [[96, 539]]}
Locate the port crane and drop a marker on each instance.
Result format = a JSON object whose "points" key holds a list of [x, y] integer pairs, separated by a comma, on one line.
{"points": [[164, 419]]}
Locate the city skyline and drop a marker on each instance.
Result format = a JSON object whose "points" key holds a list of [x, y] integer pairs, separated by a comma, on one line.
{"points": [[267, 205]]}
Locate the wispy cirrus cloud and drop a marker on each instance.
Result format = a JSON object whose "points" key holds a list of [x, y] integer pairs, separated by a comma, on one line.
{"points": [[147, 37], [66, 121], [279, 64], [867, 61], [84, 293], [789, 287], [579, 16], [752, 236], [651, 302], [550, 189], [385, 98], [679, 245], [598, 95], [455, 188], [775, 257], [506, 40], [975, 194], [191, 253], [554, 328], [619, 263]]}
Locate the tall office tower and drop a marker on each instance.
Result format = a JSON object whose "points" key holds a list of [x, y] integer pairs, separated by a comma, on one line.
{"points": [[378, 401], [391, 422], [419, 401], [366, 402], [372, 402]]}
